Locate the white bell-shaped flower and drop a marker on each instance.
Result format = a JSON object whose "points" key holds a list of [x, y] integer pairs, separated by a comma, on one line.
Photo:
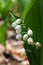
{"points": [[18, 31], [19, 36], [18, 27], [30, 40], [37, 44], [18, 21], [14, 24], [25, 37], [30, 32]]}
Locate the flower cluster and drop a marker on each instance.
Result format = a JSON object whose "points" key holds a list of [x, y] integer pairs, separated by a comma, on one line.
{"points": [[17, 25]]}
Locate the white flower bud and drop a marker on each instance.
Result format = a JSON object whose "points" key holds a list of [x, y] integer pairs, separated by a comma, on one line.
{"points": [[37, 44], [14, 24], [25, 37], [30, 32], [30, 40], [18, 27], [18, 31], [18, 21], [19, 36]]}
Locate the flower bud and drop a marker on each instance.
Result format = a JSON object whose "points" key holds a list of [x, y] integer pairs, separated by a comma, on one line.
{"points": [[30, 32], [14, 24], [25, 37], [18, 31], [30, 40], [19, 36], [18, 21], [37, 44], [18, 27]]}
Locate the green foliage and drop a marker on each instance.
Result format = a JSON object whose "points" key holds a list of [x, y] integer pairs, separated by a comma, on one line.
{"points": [[3, 33], [34, 19], [26, 6], [4, 12], [7, 8], [33, 16]]}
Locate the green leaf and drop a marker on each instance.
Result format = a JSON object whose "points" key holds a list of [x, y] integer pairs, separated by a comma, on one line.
{"points": [[3, 30], [7, 8], [26, 5], [2, 5], [34, 20]]}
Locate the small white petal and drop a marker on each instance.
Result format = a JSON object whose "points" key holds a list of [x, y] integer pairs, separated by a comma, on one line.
{"points": [[30, 40], [25, 37], [18, 27], [18, 21], [30, 32], [38, 44], [19, 36], [14, 24]]}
